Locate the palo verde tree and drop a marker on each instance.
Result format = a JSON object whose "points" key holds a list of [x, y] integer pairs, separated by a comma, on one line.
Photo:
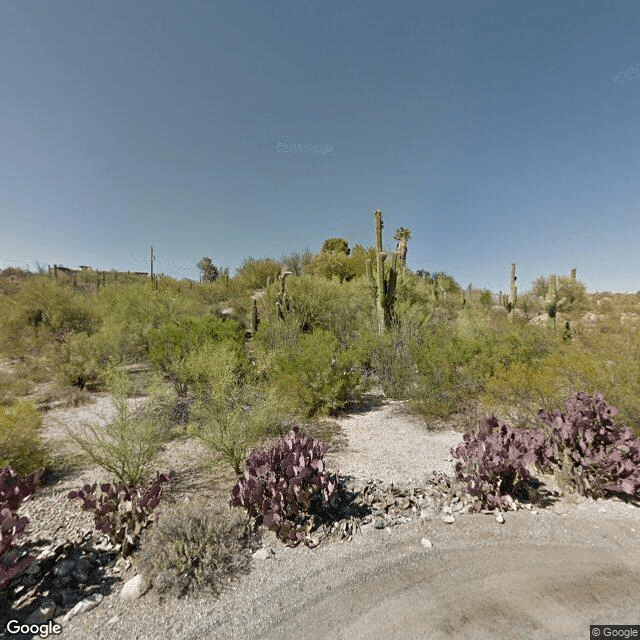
{"points": [[336, 244], [208, 271]]}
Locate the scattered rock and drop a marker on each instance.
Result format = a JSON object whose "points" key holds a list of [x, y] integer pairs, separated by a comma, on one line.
{"points": [[449, 519], [426, 543], [263, 554], [135, 587], [500, 518], [84, 605], [62, 576]]}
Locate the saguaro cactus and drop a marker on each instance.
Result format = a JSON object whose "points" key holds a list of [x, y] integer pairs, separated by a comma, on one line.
{"points": [[254, 316], [551, 302], [282, 303], [510, 301], [384, 289]]}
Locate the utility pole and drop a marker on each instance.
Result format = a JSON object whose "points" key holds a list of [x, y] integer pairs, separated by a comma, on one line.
{"points": [[152, 259]]}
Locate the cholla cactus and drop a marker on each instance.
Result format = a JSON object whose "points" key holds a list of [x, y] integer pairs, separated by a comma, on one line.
{"points": [[510, 301], [551, 302]]}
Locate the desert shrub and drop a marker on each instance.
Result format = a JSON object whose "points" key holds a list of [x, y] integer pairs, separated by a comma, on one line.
{"points": [[488, 344], [12, 387], [122, 512], [128, 445], [493, 462], [315, 375], [391, 358], [273, 334], [359, 256], [129, 312], [20, 440], [77, 361], [615, 355], [332, 264], [316, 303], [445, 382], [14, 491], [170, 344], [599, 457], [253, 274], [50, 304], [229, 415], [196, 546], [296, 261], [519, 388], [283, 486]]}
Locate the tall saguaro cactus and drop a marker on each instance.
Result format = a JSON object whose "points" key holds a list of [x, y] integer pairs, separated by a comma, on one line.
{"points": [[551, 302], [510, 302], [384, 289]]}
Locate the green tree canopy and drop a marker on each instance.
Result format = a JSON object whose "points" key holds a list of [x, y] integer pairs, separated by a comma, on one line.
{"points": [[208, 271], [336, 244]]}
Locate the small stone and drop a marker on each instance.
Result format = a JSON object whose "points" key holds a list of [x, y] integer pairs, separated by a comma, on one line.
{"points": [[135, 587], [426, 543], [113, 620], [534, 512], [263, 554], [447, 518], [447, 510], [83, 606], [380, 524], [500, 518]]}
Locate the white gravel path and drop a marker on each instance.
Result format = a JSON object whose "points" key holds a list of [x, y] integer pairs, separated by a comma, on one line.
{"points": [[389, 444]]}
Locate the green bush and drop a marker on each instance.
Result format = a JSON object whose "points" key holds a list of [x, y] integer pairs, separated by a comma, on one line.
{"points": [[129, 312], [227, 416], [518, 390], [196, 546], [253, 274], [329, 265], [172, 342], [12, 387], [316, 303], [128, 445], [77, 361], [20, 439], [315, 375], [447, 375], [391, 358]]}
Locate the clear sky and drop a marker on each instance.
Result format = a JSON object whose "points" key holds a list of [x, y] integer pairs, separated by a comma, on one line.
{"points": [[496, 131]]}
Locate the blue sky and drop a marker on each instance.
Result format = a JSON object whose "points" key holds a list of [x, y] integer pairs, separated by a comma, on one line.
{"points": [[497, 131]]}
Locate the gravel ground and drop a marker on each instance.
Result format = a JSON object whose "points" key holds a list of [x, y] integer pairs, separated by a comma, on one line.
{"points": [[544, 574]]}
